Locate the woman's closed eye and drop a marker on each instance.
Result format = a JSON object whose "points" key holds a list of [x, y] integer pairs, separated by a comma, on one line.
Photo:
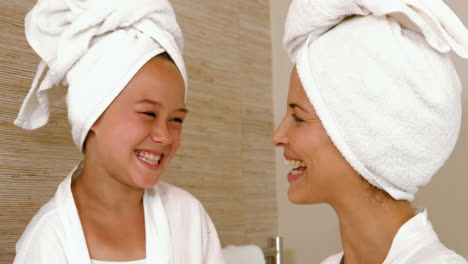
{"points": [[297, 119]]}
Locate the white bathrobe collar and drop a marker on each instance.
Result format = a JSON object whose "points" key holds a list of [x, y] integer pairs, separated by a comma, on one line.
{"points": [[414, 240], [415, 233], [158, 238]]}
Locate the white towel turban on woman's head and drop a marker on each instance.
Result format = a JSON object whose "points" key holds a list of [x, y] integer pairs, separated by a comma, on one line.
{"points": [[90, 50], [379, 77]]}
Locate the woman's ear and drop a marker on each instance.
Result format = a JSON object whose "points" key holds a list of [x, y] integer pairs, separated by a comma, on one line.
{"points": [[95, 126]]}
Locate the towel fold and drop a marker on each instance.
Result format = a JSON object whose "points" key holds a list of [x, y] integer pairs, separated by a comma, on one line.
{"points": [[249, 254], [379, 77], [312, 18], [89, 51]]}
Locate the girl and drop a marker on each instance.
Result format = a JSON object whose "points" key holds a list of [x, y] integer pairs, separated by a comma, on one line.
{"points": [[120, 66]]}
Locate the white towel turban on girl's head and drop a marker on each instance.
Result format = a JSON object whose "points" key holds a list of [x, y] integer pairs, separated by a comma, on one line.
{"points": [[90, 49], [382, 83]]}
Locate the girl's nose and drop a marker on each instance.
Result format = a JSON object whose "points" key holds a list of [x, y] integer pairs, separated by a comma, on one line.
{"points": [[161, 134]]}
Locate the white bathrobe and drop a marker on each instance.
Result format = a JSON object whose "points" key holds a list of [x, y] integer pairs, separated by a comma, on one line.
{"points": [[178, 230], [415, 243]]}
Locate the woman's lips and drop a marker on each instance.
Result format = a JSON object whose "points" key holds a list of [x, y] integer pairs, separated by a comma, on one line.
{"points": [[297, 169], [295, 174]]}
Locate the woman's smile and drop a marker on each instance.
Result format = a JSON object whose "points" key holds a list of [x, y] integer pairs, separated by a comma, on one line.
{"points": [[298, 169]]}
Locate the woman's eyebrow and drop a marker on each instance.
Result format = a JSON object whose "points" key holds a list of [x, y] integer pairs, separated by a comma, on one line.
{"points": [[293, 105], [146, 101]]}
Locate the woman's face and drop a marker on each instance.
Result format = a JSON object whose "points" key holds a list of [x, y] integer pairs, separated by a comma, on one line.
{"points": [[317, 167], [139, 133]]}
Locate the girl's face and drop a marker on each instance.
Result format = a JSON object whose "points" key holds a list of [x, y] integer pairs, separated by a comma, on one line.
{"points": [[317, 168], [136, 137]]}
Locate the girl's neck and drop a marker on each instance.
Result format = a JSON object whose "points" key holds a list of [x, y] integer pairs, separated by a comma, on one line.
{"points": [[368, 224], [98, 189]]}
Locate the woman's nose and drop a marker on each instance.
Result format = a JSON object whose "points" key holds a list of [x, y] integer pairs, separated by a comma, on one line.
{"points": [[279, 137]]}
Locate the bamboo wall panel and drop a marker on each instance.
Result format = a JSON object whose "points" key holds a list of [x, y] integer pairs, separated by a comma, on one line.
{"points": [[225, 160]]}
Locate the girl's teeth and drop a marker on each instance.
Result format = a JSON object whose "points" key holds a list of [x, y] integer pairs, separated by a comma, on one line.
{"points": [[149, 158]]}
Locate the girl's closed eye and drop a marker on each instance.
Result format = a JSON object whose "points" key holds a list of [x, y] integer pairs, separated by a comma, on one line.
{"points": [[151, 114], [178, 120]]}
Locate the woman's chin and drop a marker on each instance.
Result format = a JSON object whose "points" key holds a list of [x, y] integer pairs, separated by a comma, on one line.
{"points": [[296, 196]]}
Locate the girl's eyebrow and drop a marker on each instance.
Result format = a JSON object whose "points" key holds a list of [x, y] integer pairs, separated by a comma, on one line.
{"points": [[146, 101], [293, 105]]}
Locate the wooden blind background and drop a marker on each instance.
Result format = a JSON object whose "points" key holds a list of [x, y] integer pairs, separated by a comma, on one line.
{"points": [[226, 159]]}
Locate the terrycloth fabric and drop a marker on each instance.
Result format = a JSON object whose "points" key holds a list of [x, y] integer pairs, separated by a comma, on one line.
{"points": [[312, 18], [90, 49], [143, 261], [416, 242], [250, 254], [382, 83], [178, 230]]}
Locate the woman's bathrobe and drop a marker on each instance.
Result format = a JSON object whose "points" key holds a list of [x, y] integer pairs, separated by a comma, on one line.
{"points": [[416, 242]]}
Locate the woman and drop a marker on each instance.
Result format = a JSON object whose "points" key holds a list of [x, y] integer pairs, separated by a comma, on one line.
{"points": [[373, 112], [121, 69]]}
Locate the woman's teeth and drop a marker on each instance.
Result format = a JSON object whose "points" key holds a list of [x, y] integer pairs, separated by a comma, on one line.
{"points": [[149, 157], [297, 166], [294, 164]]}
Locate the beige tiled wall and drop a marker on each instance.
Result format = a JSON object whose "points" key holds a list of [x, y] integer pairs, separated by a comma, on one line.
{"points": [[225, 160]]}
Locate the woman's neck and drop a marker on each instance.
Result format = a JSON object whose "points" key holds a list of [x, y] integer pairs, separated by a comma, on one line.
{"points": [[368, 224]]}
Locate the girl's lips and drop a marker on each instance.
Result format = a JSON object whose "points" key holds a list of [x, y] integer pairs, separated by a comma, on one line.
{"points": [[149, 165], [151, 160]]}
